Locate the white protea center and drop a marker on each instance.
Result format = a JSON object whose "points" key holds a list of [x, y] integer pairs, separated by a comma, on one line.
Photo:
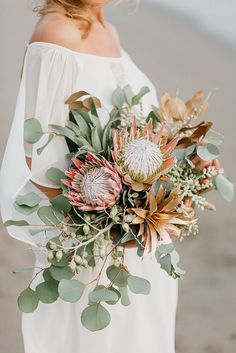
{"points": [[142, 159], [95, 185]]}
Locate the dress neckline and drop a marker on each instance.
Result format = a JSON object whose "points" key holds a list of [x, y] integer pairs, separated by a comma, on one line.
{"points": [[88, 55]]}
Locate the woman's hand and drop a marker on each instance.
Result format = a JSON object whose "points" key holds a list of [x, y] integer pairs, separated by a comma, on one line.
{"points": [[49, 192]]}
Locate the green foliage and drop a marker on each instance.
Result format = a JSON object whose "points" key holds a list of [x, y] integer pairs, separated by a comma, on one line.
{"points": [[143, 91], [61, 204], [70, 290], [118, 97], [168, 258], [139, 285], [124, 296], [27, 204], [129, 94], [166, 248], [113, 302], [208, 152], [70, 134], [55, 175], [46, 275], [49, 215], [31, 199], [32, 131], [28, 300], [24, 270], [101, 293], [165, 262], [59, 273], [95, 317], [184, 152], [117, 275], [26, 210], [47, 291], [62, 263], [41, 149], [21, 223]]}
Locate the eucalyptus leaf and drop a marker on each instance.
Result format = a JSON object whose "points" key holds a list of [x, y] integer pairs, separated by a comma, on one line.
{"points": [[70, 290], [129, 94], [61, 204], [95, 317], [124, 296], [165, 262], [184, 152], [28, 301], [41, 149], [113, 302], [24, 270], [208, 152], [47, 291], [46, 275], [117, 275], [26, 210], [59, 273], [55, 175], [21, 223], [32, 130], [31, 199], [225, 187], [49, 215], [143, 91], [101, 293], [165, 248], [39, 230], [174, 257], [139, 285], [167, 186], [118, 98]]}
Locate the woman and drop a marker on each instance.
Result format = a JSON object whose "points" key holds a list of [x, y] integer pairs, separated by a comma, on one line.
{"points": [[73, 48]]}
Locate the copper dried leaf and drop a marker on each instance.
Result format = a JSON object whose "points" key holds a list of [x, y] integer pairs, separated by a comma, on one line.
{"points": [[75, 96], [196, 99]]}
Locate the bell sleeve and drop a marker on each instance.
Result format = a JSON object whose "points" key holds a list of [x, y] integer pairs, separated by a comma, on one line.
{"points": [[49, 77]]}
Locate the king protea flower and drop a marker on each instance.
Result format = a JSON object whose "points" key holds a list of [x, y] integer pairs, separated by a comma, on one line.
{"points": [[93, 184], [159, 220], [141, 156]]}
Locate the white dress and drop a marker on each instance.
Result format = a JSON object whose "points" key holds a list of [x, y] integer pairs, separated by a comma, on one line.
{"points": [[50, 74]]}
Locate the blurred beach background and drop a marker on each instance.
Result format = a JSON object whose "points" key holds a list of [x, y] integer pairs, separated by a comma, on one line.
{"points": [[183, 45]]}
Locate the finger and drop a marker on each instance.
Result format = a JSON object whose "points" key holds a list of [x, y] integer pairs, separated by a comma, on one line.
{"points": [[216, 164]]}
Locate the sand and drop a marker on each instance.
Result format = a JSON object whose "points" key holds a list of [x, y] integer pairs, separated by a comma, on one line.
{"points": [[175, 55]]}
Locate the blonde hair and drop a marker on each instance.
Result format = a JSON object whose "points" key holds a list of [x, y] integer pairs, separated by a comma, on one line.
{"points": [[75, 9]]}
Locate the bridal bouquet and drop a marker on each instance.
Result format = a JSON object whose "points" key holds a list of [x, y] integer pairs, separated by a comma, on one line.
{"points": [[137, 179]]}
